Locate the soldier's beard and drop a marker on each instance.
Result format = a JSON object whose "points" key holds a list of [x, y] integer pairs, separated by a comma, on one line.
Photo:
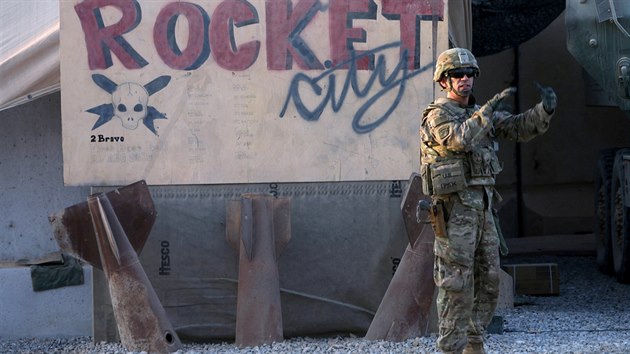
{"points": [[464, 91]]}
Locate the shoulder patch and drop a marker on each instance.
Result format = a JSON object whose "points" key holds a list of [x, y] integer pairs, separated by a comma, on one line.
{"points": [[438, 117], [443, 132]]}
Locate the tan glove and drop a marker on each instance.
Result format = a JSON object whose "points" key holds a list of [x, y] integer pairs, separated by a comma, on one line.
{"points": [[494, 102], [484, 115]]}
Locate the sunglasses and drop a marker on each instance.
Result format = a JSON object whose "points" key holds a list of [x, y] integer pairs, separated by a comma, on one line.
{"points": [[460, 73]]}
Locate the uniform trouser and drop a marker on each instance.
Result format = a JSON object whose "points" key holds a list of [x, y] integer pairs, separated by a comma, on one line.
{"points": [[466, 272]]}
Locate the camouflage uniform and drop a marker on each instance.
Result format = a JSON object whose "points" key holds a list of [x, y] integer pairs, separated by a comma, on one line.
{"points": [[458, 166]]}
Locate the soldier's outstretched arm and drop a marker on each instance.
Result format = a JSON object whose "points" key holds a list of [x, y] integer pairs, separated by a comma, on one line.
{"points": [[484, 114], [529, 124], [463, 136]]}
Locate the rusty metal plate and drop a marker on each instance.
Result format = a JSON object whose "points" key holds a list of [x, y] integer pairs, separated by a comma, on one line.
{"points": [[132, 204]]}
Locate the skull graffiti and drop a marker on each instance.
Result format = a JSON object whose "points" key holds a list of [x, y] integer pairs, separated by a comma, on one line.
{"points": [[130, 104]]}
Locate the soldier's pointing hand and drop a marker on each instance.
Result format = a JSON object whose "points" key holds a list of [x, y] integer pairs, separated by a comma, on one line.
{"points": [[548, 98]]}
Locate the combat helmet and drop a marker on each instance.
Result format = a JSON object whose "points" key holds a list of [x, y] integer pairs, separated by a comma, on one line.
{"points": [[454, 58]]}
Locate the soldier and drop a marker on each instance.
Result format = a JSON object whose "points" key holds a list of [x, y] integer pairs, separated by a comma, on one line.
{"points": [[458, 168]]}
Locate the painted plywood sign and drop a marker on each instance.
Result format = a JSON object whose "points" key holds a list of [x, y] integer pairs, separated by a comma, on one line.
{"points": [[239, 91]]}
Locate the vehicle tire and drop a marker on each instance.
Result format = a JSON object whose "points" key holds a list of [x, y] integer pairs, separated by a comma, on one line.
{"points": [[603, 218], [620, 221]]}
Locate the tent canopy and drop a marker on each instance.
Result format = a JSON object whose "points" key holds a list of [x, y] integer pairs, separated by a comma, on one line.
{"points": [[29, 50]]}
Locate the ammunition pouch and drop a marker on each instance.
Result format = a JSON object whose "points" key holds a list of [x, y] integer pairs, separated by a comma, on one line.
{"points": [[484, 163], [443, 177]]}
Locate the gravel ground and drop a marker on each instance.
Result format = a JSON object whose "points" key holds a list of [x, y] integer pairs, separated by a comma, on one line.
{"points": [[591, 315]]}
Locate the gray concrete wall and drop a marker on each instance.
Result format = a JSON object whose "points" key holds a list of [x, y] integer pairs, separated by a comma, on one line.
{"points": [[61, 312], [31, 187], [31, 178]]}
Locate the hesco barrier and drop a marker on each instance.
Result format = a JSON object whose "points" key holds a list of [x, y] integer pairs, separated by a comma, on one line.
{"points": [[347, 240]]}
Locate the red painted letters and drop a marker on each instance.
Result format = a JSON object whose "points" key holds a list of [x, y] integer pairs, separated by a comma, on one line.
{"points": [[285, 23], [100, 40]]}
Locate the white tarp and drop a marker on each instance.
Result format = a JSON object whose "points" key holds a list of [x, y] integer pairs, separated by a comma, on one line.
{"points": [[245, 91], [29, 60], [29, 50]]}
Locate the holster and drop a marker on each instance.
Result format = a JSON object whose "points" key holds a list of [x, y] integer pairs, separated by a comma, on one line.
{"points": [[436, 215]]}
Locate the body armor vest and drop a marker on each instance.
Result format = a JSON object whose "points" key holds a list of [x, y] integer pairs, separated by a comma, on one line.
{"points": [[446, 171]]}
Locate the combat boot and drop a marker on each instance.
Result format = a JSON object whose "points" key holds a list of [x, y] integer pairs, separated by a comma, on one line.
{"points": [[474, 348]]}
